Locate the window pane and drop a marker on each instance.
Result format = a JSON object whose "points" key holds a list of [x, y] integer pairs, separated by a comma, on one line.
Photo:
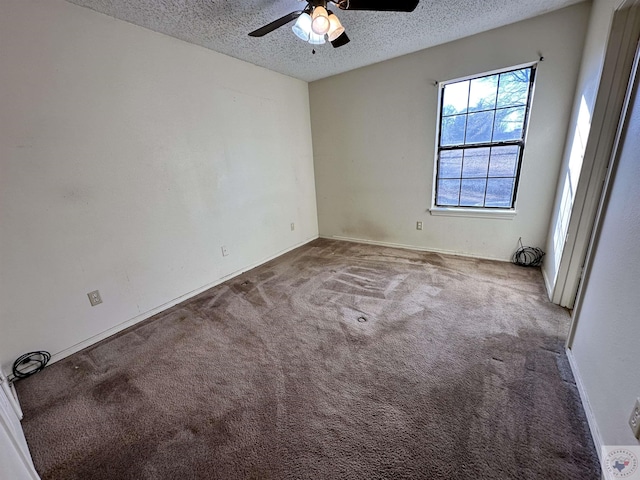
{"points": [[450, 164], [478, 116], [509, 124], [472, 193], [476, 162], [499, 192], [503, 161], [479, 127], [455, 98], [448, 192], [482, 93], [453, 130], [514, 88]]}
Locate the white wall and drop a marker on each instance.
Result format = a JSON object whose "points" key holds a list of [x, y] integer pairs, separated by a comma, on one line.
{"points": [[578, 135], [374, 139], [605, 346], [127, 158]]}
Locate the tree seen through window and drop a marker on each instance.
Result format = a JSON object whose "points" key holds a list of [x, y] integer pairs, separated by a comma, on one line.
{"points": [[482, 127]]}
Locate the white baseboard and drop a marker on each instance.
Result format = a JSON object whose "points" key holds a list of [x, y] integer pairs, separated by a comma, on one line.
{"points": [[150, 313], [412, 247], [591, 419]]}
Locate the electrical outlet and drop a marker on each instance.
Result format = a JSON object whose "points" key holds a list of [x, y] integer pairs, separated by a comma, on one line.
{"points": [[634, 419], [293, 226], [418, 225], [94, 298], [225, 251]]}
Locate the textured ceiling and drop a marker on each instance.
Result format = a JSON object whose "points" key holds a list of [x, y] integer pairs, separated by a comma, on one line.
{"points": [[223, 25]]}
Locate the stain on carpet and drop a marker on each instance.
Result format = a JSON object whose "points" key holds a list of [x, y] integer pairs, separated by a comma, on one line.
{"points": [[458, 371]]}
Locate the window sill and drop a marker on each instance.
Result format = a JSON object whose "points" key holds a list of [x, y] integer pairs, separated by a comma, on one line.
{"points": [[506, 214]]}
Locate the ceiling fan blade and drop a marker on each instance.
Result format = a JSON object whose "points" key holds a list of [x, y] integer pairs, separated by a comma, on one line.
{"points": [[270, 27], [341, 40], [378, 5]]}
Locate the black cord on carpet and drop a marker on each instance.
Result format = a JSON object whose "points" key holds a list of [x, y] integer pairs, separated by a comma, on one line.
{"points": [[30, 363], [527, 256]]}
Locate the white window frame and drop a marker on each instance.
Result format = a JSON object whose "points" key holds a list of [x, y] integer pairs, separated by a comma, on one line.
{"points": [[480, 212]]}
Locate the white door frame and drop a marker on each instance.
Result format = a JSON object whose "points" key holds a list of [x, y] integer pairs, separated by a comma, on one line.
{"points": [[618, 62], [15, 460], [630, 90]]}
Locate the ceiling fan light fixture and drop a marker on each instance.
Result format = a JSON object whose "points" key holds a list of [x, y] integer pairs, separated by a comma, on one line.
{"points": [[320, 20], [335, 27], [302, 27], [315, 39]]}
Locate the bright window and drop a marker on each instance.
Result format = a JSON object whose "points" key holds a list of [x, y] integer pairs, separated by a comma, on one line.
{"points": [[483, 121]]}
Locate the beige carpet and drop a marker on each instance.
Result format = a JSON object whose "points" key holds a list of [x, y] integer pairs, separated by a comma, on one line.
{"points": [[335, 361]]}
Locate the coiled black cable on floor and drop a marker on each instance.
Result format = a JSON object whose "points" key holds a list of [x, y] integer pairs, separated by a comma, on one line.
{"points": [[30, 363], [528, 256]]}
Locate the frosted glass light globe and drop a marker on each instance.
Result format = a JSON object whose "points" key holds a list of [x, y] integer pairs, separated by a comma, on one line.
{"points": [[320, 21]]}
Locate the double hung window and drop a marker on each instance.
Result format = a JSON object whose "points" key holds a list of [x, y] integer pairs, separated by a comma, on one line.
{"points": [[481, 139]]}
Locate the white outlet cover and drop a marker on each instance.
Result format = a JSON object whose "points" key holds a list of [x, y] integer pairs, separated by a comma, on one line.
{"points": [[94, 298]]}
